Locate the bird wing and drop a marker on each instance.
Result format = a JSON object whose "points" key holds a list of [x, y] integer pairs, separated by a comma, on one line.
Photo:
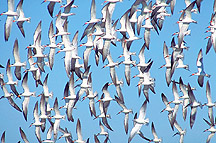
{"points": [[25, 106], [23, 135]]}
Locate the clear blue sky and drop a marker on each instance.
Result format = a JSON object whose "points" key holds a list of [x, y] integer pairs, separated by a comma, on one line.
{"points": [[11, 120]]}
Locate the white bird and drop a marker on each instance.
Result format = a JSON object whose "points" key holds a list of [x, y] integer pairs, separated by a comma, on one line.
{"points": [[148, 81], [49, 135], [37, 122], [57, 117], [79, 133], [156, 139], [67, 9], [111, 66], [102, 132], [9, 97], [85, 82], [127, 60], [67, 135], [26, 95], [168, 109], [125, 111], [103, 106], [185, 98], [10, 14], [142, 64], [209, 104], [91, 96], [43, 112], [36, 33], [167, 57], [139, 121], [51, 5], [144, 11], [72, 98], [52, 45], [46, 92], [118, 85], [212, 129], [201, 73], [89, 44], [180, 132], [107, 97], [21, 17], [59, 25], [185, 19], [165, 101], [176, 101], [122, 21], [130, 30], [148, 26], [108, 27], [36, 72], [17, 63], [193, 104], [93, 14], [10, 79]]}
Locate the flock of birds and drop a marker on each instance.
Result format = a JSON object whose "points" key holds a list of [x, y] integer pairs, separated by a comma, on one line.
{"points": [[102, 35]]}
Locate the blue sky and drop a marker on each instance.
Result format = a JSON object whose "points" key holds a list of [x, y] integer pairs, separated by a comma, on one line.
{"points": [[11, 120]]}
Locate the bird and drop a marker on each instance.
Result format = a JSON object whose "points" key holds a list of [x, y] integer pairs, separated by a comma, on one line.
{"points": [[51, 5], [36, 72], [139, 121], [156, 139], [57, 118], [26, 94], [127, 60], [102, 132], [167, 57], [43, 112], [193, 104], [72, 97], [18, 64], [176, 101], [46, 92], [125, 111], [118, 85], [93, 14], [21, 17], [59, 25], [185, 97], [79, 133], [168, 108], [180, 132], [209, 104], [185, 19], [103, 106], [10, 79], [52, 46], [9, 95], [66, 135], [201, 73], [91, 96], [212, 129], [148, 81], [10, 14], [49, 135], [67, 9], [37, 122]]}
